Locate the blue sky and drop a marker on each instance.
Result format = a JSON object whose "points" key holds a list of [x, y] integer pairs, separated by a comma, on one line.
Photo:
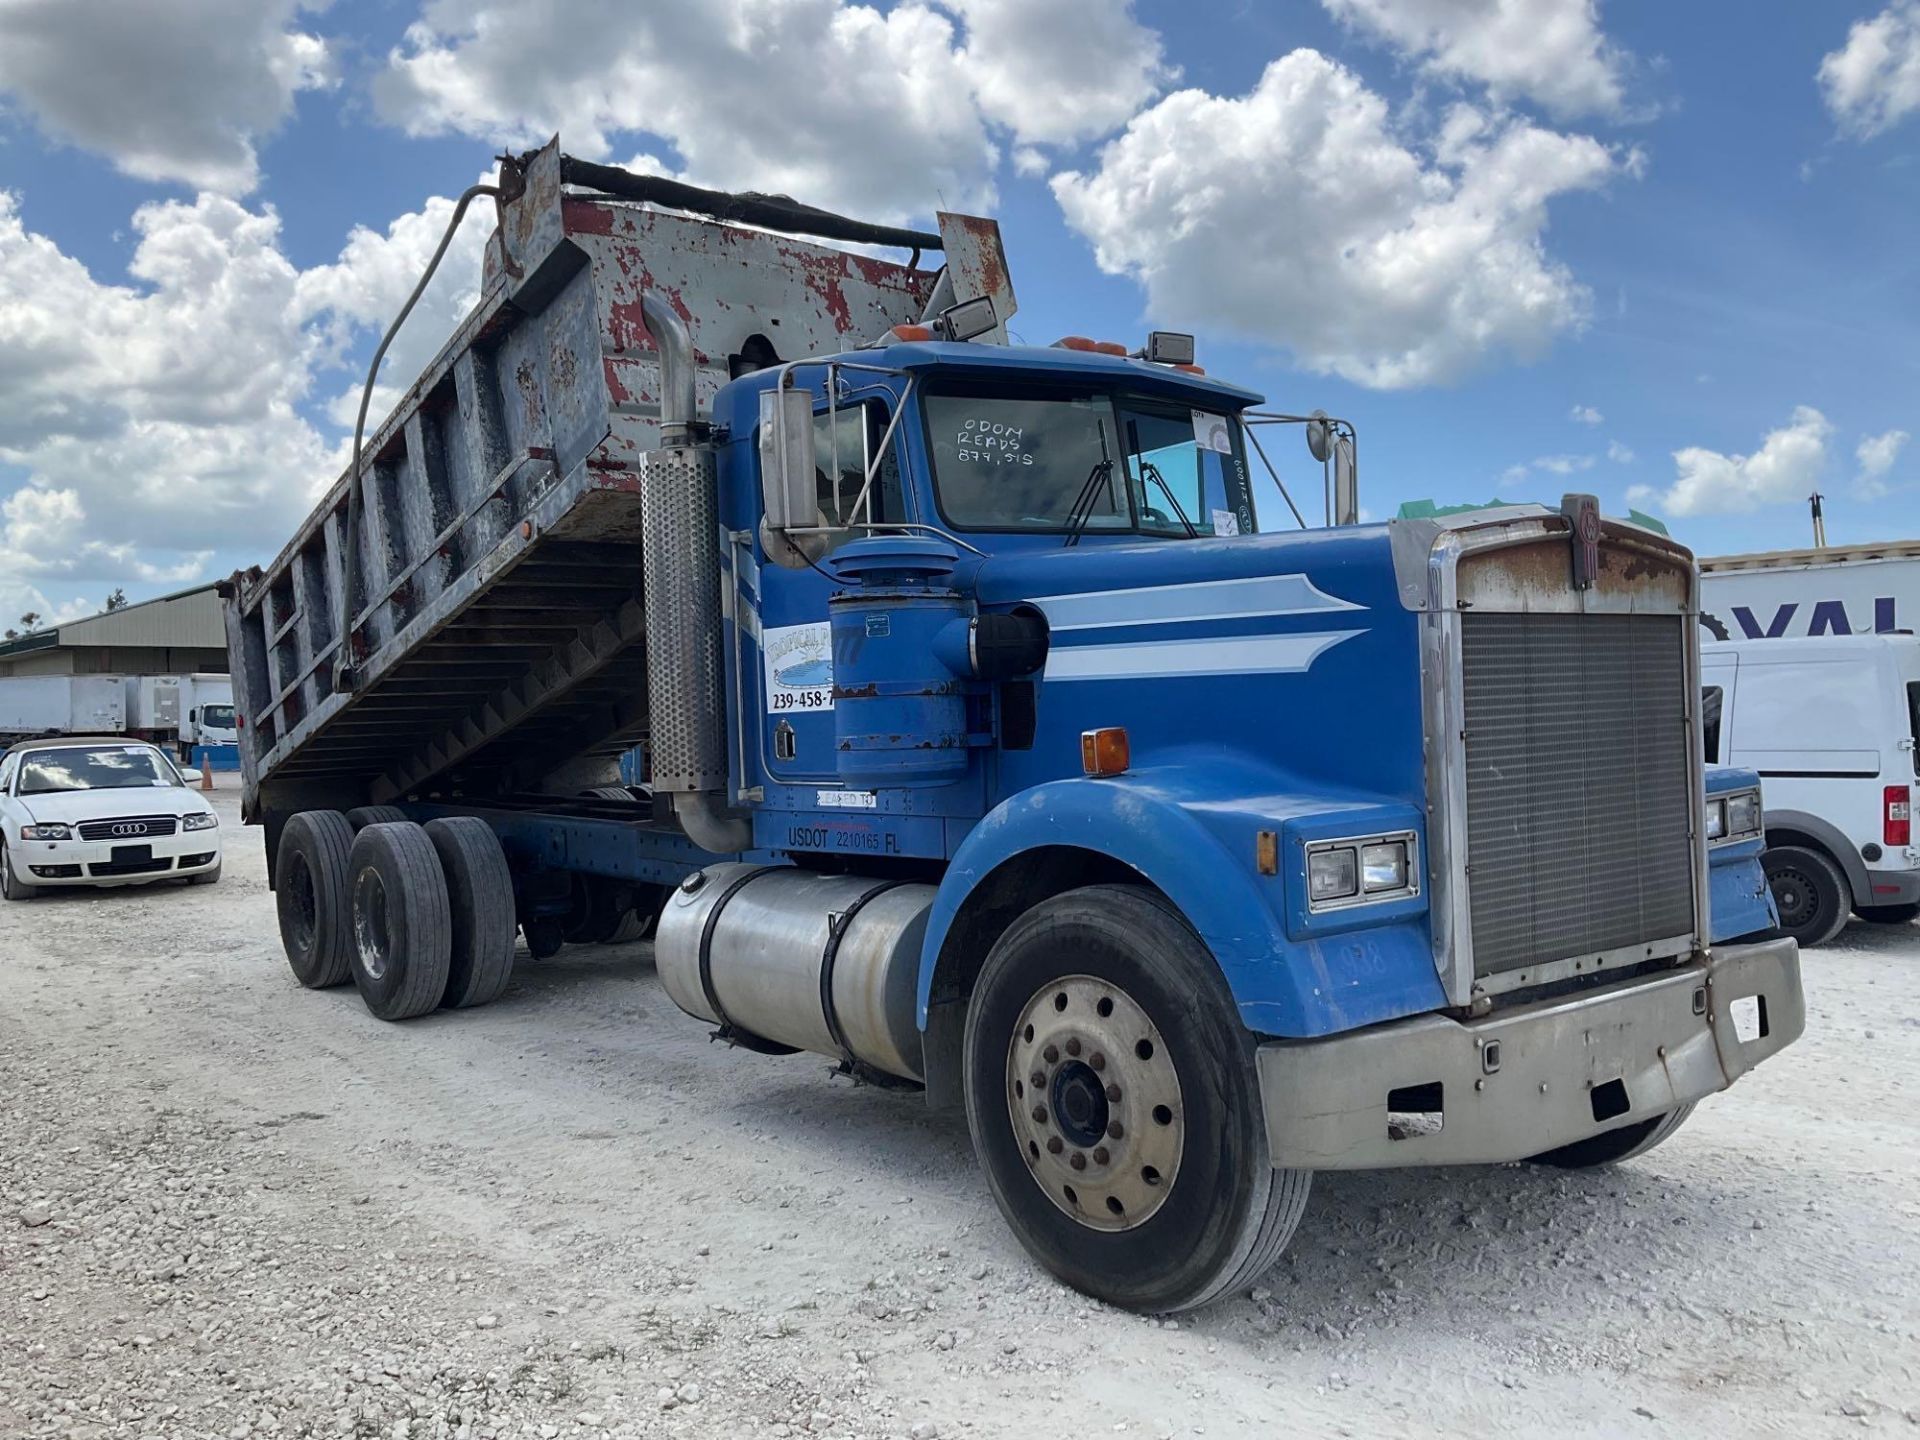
{"points": [[1697, 291]]}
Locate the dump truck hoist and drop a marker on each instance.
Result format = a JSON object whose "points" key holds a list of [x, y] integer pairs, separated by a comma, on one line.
{"points": [[992, 747]]}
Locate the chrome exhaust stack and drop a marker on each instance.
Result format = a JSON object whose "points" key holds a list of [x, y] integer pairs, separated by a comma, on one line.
{"points": [[686, 672]]}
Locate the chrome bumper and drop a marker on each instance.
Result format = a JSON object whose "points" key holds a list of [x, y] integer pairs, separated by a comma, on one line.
{"points": [[1527, 1080]]}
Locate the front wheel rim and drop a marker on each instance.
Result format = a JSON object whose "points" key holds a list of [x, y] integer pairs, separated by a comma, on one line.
{"points": [[1095, 1103]]}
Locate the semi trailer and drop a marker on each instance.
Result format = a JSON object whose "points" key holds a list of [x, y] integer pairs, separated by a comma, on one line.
{"points": [[997, 748], [35, 705]]}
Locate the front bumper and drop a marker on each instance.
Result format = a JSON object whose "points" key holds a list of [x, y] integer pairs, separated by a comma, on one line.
{"points": [[1524, 1081], [32, 859]]}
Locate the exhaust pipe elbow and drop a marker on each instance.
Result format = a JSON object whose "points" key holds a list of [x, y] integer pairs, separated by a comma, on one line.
{"points": [[710, 826], [674, 343]]}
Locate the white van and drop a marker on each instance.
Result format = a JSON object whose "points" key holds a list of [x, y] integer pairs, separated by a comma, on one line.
{"points": [[1830, 724]]}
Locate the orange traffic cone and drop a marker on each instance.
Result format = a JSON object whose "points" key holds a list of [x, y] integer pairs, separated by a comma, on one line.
{"points": [[206, 771]]}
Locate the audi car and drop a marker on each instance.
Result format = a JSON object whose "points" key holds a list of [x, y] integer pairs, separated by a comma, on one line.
{"points": [[101, 812]]}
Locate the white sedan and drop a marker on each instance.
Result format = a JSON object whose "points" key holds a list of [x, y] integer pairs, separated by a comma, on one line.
{"points": [[101, 812]]}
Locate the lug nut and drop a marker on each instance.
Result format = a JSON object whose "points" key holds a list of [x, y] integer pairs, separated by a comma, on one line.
{"points": [[1113, 1093], [1051, 1054], [1039, 1114], [1115, 1130], [1079, 1161], [1099, 1154], [1097, 1060], [1073, 1047], [1054, 1145], [1038, 1079]]}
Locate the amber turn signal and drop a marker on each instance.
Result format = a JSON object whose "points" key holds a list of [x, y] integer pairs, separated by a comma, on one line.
{"points": [[1104, 752]]}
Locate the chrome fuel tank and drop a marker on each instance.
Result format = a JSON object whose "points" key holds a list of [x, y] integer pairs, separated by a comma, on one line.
{"points": [[769, 934]]}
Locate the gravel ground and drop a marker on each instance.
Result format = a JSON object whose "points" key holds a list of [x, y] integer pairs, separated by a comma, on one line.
{"points": [[229, 1207]]}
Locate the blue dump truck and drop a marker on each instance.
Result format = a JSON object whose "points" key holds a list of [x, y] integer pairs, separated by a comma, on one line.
{"points": [[997, 748]]}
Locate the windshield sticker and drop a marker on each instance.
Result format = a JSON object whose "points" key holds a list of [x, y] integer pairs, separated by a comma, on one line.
{"points": [[1212, 432], [798, 664], [1225, 522], [990, 442]]}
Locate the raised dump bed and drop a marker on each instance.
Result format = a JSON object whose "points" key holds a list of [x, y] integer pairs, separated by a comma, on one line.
{"points": [[499, 619]]}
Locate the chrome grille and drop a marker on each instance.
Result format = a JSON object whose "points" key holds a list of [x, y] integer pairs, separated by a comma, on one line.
{"points": [[116, 829], [1578, 805]]}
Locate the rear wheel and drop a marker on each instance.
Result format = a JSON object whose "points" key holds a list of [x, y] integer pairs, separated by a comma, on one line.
{"points": [[480, 908], [12, 888], [362, 816], [312, 893], [1111, 1093], [1809, 891], [1888, 914], [1612, 1146], [402, 925]]}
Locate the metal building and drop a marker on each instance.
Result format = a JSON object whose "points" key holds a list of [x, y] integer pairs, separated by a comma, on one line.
{"points": [[179, 634]]}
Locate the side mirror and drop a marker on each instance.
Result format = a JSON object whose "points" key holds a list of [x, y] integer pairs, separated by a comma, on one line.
{"points": [[191, 776], [1317, 441], [789, 487]]}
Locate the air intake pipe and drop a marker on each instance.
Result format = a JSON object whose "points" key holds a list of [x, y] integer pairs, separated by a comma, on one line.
{"points": [[680, 539]]}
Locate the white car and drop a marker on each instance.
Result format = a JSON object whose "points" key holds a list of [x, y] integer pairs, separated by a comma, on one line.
{"points": [[101, 812]]}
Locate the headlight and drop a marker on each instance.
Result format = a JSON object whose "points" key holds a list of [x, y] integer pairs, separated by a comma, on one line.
{"points": [[1384, 866], [1362, 870], [1716, 819], [199, 822], [46, 832], [1332, 874], [1743, 813]]}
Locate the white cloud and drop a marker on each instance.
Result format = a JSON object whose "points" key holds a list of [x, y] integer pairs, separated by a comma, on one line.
{"points": [[1295, 214], [1550, 51], [1585, 415], [180, 91], [1876, 455], [1560, 465], [762, 95], [1058, 71], [1619, 454], [1787, 466], [1873, 81], [158, 421], [1029, 161]]}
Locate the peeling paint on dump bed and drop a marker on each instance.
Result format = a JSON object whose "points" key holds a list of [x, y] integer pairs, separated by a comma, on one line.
{"points": [[509, 463]]}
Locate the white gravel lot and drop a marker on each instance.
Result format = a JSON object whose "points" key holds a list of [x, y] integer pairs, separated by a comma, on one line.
{"points": [[230, 1207]]}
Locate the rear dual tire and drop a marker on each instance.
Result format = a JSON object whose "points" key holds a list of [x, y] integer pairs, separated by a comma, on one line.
{"points": [[1160, 1194], [419, 917]]}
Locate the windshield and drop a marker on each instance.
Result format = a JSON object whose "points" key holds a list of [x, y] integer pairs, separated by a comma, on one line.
{"points": [[94, 767], [1068, 461], [217, 717]]}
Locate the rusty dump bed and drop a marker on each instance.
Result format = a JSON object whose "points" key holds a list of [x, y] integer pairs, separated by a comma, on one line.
{"points": [[499, 622]]}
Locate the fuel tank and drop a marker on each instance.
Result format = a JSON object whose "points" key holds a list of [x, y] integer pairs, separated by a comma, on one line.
{"points": [[826, 963]]}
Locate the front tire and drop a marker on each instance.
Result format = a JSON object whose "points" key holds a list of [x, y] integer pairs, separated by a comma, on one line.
{"points": [[11, 887], [402, 923], [1111, 1094], [206, 877], [1809, 891]]}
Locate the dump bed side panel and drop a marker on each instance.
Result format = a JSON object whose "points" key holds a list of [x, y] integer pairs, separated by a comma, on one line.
{"points": [[498, 619]]}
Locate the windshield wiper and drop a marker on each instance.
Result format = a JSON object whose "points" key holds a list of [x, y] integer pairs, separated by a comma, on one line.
{"points": [[1082, 511], [1151, 471]]}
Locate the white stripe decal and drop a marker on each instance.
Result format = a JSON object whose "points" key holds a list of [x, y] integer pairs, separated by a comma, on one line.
{"points": [[1251, 597], [1210, 655]]}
